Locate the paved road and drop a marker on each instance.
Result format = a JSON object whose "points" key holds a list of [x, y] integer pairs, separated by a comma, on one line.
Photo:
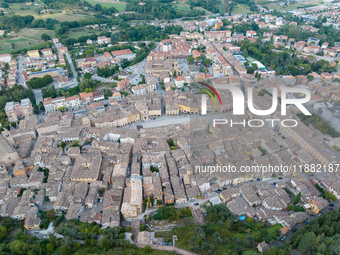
{"points": [[289, 235], [69, 59], [38, 95], [73, 81], [20, 70]]}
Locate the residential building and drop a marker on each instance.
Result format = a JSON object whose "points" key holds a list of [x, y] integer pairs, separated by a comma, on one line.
{"points": [[15, 110]]}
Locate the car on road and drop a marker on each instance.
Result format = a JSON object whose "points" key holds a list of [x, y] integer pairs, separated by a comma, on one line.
{"points": [[195, 204], [258, 180], [331, 204], [330, 208], [306, 222], [294, 229], [280, 178], [319, 214], [283, 238], [224, 188]]}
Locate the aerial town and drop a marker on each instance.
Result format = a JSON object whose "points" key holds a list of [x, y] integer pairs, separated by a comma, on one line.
{"points": [[116, 145]]}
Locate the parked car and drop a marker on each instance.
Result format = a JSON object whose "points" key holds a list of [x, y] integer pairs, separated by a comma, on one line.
{"points": [[306, 222], [319, 214], [283, 238], [330, 208], [280, 178], [196, 204], [294, 229], [258, 179], [331, 204]]}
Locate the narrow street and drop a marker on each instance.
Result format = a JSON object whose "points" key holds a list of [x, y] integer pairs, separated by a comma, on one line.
{"points": [[20, 80], [73, 81], [289, 235]]}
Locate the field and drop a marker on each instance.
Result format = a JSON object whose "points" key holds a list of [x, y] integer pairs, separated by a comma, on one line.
{"points": [[26, 38], [120, 6], [201, 8], [184, 6], [23, 10], [241, 9], [75, 35], [5, 45], [292, 6], [34, 34]]}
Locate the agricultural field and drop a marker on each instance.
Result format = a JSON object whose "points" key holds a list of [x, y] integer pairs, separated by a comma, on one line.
{"points": [[201, 8], [34, 34], [26, 38], [18, 43], [292, 6], [22, 9], [241, 9], [75, 35], [120, 6], [184, 6]]}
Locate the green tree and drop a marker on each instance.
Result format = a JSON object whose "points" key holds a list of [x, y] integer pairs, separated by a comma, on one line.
{"points": [[104, 243], [207, 62], [3, 232], [51, 214], [75, 143], [297, 199], [191, 59], [45, 37], [87, 76], [141, 227], [49, 248], [41, 106], [118, 251], [307, 242], [147, 249], [36, 109], [170, 142], [18, 247]]}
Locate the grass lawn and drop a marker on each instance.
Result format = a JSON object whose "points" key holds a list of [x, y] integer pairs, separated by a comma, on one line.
{"points": [[120, 6], [241, 9]]}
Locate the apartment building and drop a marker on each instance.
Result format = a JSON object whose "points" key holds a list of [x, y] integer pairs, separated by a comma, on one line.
{"points": [[15, 110]]}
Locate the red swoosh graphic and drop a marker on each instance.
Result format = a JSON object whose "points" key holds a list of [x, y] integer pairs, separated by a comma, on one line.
{"points": [[208, 86]]}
